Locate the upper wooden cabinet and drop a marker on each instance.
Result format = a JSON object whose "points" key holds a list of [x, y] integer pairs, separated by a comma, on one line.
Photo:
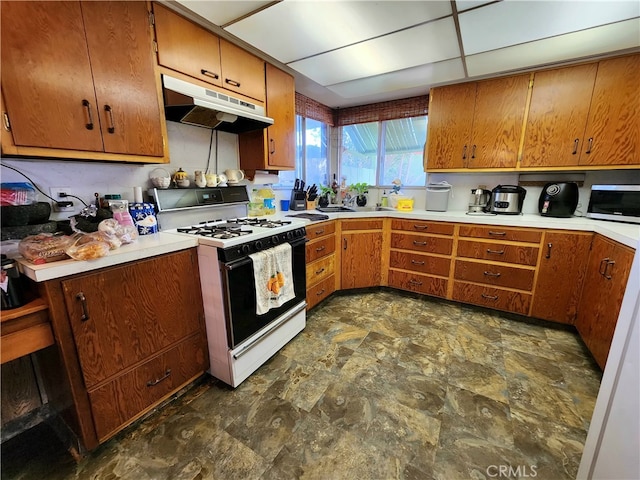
{"points": [[476, 125], [188, 48], [273, 148], [80, 76], [585, 115]]}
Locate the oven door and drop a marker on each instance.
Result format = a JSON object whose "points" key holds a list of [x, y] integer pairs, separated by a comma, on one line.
{"points": [[239, 290]]}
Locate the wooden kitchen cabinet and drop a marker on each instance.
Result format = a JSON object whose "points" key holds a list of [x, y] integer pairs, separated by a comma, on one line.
{"points": [[129, 336], [274, 147], [321, 262], [361, 253], [585, 115], [606, 278], [477, 124], [78, 81], [560, 275]]}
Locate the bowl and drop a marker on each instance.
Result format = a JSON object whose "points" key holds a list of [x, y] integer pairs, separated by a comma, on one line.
{"points": [[160, 178]]}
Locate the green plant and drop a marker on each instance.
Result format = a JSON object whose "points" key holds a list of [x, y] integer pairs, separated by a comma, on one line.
{"points": [[359, 188], [325, 190]]}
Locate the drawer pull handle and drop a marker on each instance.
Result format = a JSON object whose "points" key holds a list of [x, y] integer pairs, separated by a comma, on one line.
{"points": [[319, 232], [422, 244], [415, 262], [590, 144], [112, 126], [575, 146], [83, 303], [490, 297], [319, 249], [415, 282], [209, 73], [421, 227], [549, 246], [87, 106], [491, 274], [320, 292], [497, 234], [166, 375], [318, 272], [272, 150], [495, 252], [606, 269], [604, 262], [345, 243], [233, 83]]}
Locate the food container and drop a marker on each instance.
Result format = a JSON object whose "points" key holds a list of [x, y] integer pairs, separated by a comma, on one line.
{"points": [[143, 215], [160, 178], [405, 204]]}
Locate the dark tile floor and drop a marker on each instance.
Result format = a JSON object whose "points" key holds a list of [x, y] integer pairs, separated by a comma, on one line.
{"points": [[380, 385]]}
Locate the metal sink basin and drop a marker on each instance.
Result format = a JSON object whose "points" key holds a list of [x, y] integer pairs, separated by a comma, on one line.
{"points": [[335, 209]]}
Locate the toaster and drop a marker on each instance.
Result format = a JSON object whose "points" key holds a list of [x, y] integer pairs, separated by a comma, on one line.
{"points": [[558, 199]]}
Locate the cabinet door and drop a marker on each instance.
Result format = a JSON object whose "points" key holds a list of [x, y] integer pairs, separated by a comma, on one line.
{"points": [[560, 102], [186, 47], [46, 76], [122, 315], [361, 259], [560, 276], [120, 48], [242, 72], [497, 122], [612, 136], [281, 107], [449, 127]]}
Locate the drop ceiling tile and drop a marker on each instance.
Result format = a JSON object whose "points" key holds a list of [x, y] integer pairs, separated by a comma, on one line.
{"points": [[422, 76], [595, 41], [291, 30], [221, 12], [462, 5], [427, 43], [513, 22]]}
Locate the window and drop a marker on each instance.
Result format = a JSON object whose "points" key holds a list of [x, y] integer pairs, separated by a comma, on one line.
{"points": [[379, 152], [312, 154]]}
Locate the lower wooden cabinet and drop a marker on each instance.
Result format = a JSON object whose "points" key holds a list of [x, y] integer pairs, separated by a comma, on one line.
{"points": [[415, 282], [498, 298], [321, 262], [606, 278]]}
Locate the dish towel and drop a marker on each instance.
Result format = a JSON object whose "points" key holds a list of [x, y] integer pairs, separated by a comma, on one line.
{"points": [[273, 277]]}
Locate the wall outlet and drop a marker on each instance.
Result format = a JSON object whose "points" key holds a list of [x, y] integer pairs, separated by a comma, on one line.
{"points": [[55, 194]]}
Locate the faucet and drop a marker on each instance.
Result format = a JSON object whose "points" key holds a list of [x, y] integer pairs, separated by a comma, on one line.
{"points": [[349, 200]]}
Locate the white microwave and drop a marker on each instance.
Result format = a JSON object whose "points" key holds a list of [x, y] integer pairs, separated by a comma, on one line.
{"points": [[620, 203]]}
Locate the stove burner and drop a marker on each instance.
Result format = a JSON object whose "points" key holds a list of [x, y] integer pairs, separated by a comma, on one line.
{"points": [[222, 231], [259, 222]]}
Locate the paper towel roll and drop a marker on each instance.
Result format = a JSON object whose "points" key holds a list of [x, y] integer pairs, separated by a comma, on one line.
{"points": [[137, 194], [263, 178]]}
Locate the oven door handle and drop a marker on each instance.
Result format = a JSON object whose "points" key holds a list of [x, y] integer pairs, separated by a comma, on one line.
{"points": [[245, 261], [268, 329]]}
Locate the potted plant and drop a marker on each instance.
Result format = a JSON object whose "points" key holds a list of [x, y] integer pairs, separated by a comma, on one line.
{"points": [[323, 199], [360, 189]]}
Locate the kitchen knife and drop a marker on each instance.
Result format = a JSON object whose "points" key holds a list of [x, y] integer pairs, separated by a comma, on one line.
{"points": [[296, 185]]}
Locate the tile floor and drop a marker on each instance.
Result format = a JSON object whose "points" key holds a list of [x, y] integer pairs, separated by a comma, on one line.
{"points": [[380, 385]]}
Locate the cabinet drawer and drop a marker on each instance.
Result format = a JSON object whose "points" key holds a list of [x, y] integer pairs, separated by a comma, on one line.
{"points": [[319, 292], [492, 274], [320, 248], [125, 398], [422, 227], [516, 302], [499, 252], [420, 263], [418, 283], [320, 269], [500, 233], [370, 224], [320, 230], [422, 243]]}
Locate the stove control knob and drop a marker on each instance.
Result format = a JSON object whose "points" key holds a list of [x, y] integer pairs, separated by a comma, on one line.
{"points": [[275, 240], [258, 245], [289, 235], [245, 249]]}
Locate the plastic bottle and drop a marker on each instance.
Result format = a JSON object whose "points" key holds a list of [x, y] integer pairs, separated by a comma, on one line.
{"points": [[256, 205], [268, 200], [384, 201]]}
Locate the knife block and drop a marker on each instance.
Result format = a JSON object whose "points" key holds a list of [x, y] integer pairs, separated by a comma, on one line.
{"points": [[298, 200]]}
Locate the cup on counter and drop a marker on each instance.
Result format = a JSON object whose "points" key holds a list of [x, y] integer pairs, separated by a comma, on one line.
{"points": [[284, 205], [234, 176]]}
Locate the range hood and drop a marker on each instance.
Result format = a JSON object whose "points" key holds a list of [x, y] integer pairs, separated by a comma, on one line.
{"points": [[195, 105]]}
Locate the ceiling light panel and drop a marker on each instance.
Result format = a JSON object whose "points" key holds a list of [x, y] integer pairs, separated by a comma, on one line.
{"points": [[428, 43], [422, 76], [292, 30], [583, 44], [513, 22], [222, 12]]}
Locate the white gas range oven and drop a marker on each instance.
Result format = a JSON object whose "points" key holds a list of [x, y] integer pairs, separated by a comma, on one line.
{"points": [[240, 339]]}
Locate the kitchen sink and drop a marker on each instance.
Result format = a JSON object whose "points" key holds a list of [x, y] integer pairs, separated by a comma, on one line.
{"points": [[335, 209]]}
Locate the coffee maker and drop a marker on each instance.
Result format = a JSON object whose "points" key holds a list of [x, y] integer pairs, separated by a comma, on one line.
{"points": [[478, 200]]}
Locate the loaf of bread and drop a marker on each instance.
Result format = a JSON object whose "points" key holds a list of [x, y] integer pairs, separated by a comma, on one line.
{"points": [[44, 247]]}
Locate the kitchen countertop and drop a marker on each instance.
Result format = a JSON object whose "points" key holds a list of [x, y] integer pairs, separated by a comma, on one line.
{"points": [[151, 245]]}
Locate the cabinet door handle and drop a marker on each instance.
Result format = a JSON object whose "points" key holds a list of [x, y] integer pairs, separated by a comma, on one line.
{"points": [[112, 127], [589, 145], [320, 292], [233, 83], [606, 269], [464, 152], [318, 272], [473, 151], [272, 150], [422, 244], [495, 252], [421, 227], [166, 375], [319, 232], [415, 282], [319, 249], [345, 243], [489, 297], [209, 73], [83, 303], [87, 106], [491, 274], [575, 146], [497, 234], [549, 246], [415, 262], [604, 262]]}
